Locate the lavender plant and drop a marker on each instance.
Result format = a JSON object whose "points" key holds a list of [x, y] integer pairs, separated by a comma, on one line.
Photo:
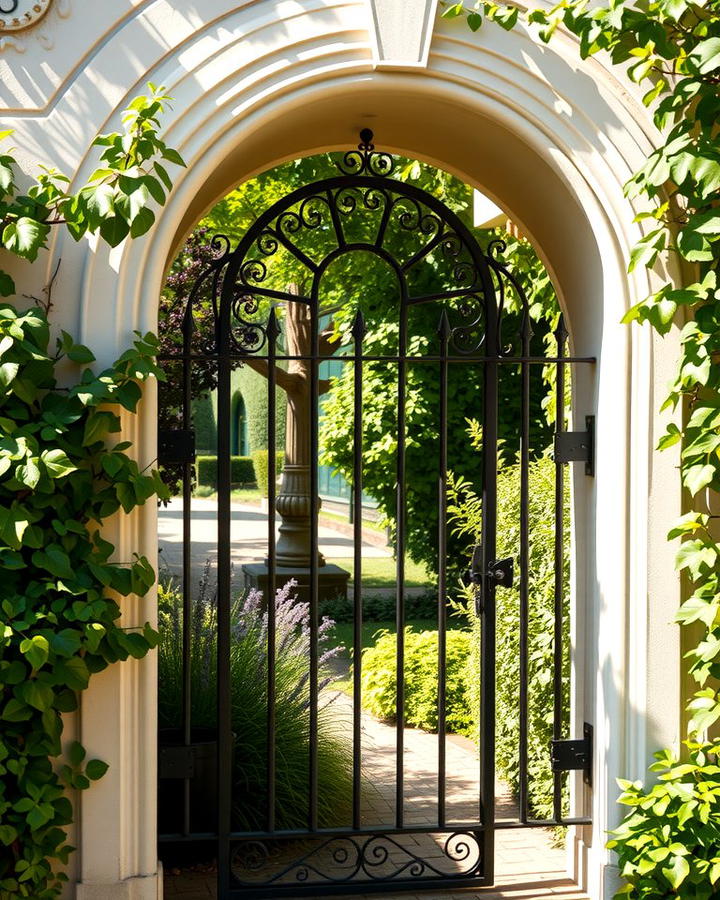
{"points": [[248, 667]]}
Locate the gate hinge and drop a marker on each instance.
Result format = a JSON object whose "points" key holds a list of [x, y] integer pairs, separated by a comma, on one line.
{"points": [[176, 446], [577, 446], [176, 762], [570, 755]]}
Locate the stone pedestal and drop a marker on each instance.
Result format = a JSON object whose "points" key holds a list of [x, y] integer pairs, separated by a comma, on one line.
{"points": [[332, 580]]}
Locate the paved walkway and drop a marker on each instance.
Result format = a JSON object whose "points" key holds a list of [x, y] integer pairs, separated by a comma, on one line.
{"points": [[527, 865], [248, 534]]}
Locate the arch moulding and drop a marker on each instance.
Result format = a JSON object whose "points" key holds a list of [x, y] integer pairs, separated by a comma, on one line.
{"points": [[552, 140]]}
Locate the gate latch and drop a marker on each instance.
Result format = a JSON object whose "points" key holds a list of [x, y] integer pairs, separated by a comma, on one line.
{"points": [[567, 756], [500, 572], [577, 446]]}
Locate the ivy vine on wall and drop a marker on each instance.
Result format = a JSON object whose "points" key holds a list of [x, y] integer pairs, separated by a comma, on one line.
{"points": [[669, 841], [61, 478]]}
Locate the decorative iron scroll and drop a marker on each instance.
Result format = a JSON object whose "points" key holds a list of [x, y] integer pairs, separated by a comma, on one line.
{"points": [[366, 160], [504, 280], [343, 859], [361, 210]]}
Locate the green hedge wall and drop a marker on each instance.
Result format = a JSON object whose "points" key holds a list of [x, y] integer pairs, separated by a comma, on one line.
{"points": [[254, 390], [260, 464], [203, 418], [241, 472]]}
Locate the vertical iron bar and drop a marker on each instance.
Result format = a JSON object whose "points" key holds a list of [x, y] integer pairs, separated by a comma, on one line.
{"points": [[272, 335], [444, 333], [561, 335], [524, 611], [187, 330], [400, 566], [224, 700], [358, 334], [487, 640], [313, 387]]}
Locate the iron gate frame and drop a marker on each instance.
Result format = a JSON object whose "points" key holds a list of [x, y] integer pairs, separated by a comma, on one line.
{"points": [[234, 280]]}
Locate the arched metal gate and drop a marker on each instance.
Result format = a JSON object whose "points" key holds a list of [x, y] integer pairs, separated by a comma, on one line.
{"points": [[249, 312]]}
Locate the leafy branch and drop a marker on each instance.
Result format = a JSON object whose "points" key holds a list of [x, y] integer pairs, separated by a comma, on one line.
{"points": [[669, 842]]}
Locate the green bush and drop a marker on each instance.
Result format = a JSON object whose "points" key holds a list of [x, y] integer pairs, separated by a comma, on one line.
{"points": [[379, 682], [381, 607], [466, 513], [260, 464], [248, 674], [241, 470], [668, 845]]}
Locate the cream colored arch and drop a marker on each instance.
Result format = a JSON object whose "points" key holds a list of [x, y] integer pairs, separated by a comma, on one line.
{"points": [[551, 140]]}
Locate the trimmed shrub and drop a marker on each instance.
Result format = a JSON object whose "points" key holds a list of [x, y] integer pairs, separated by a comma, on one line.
{"points": [[466, 513], [381, 607], [379, 682], [203, 421], [260, 468], [241, 470]]}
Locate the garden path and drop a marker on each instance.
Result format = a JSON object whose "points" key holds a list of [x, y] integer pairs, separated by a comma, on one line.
{"points": [[527, 865], [248, 535]]}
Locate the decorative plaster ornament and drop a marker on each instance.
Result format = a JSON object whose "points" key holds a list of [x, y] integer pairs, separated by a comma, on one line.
{"points": [[15, 15], [401, 31]]}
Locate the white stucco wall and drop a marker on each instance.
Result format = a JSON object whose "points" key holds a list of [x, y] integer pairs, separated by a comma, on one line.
{"points": [[549, 138]]}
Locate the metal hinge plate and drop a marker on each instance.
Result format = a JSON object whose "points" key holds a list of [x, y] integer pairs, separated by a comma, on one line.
{"points": [[176, 762], [577, 446], [567, 756], [176, 446]]}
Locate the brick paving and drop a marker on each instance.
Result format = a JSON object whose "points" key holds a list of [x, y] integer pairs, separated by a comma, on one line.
{"points": [[527, 865]]}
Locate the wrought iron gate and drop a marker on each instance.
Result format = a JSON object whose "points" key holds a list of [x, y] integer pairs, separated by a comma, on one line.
{"points": [[268, 858]]}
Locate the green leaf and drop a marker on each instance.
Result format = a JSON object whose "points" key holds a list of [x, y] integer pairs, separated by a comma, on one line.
{"points": [[474, 21], [7, 285], [163, 175], [65, 642], [75, 754], [73, 672], [95, 769], [101, 201], [25, 237], [114, 230], [97, 427], [15, 711], [705, 56], [8, 834], [36, 650], [142, 222], [38, 695], [54, 560], [57, 463], [173, 156]]}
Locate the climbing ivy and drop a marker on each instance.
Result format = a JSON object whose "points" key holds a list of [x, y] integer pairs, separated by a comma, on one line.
{"points": [[61, 478], [669, 842]]}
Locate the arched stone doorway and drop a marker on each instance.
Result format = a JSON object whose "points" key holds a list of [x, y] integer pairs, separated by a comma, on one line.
{"points": [[549, 138]]}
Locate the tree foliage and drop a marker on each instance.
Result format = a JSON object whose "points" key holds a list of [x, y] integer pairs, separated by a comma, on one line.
{"points": [[360, 280], [114, 203], [670, 841], [60, 480]]}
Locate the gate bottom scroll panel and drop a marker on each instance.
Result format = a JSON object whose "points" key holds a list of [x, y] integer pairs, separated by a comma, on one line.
{"points": [[285, 864]]}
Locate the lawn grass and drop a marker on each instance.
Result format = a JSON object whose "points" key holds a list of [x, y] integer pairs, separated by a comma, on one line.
{"points": [[239, 495], [379, 571], [367, 524]]}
